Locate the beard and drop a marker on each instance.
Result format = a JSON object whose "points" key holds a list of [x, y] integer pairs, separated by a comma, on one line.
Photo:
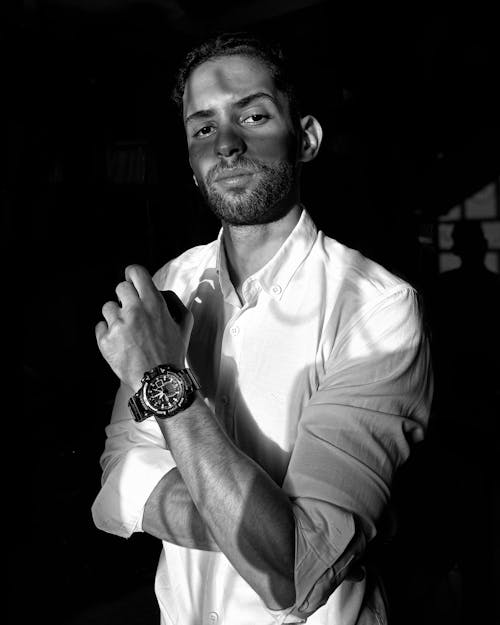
{"points": [[262, 204]]}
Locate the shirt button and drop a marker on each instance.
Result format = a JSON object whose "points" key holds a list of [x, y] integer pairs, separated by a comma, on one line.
{"points": [[235, 330], [276, 289], [225, 400], [213, 617]]}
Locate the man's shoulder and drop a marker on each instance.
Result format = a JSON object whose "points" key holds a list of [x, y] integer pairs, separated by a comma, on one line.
{"points": [[186, 266], [369, 303], [357, 273]]}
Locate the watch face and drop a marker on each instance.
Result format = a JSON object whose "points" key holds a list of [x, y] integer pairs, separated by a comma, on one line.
{"points": [[165, 392]]}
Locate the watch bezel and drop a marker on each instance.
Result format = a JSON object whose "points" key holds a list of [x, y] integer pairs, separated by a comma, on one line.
{"points": [[179, 405], [142, 409]]}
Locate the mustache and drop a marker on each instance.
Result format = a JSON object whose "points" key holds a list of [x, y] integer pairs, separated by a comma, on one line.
{"points": [[242, 163]]}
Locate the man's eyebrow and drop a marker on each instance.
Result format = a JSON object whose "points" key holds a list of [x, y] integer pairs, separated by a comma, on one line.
{"points": [[255, 96], [249, 99], [204, 114]]}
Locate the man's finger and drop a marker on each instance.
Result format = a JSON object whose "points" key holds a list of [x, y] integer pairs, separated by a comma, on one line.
{"points": [[110, 312], [140, 277], [127, 294], [100, 330]]}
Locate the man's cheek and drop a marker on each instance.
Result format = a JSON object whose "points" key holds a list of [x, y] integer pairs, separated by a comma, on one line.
{"points": [[201, 160], [270, 148]]}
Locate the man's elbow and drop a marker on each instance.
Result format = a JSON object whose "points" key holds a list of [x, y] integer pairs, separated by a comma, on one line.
{"points": [[107, 516]]}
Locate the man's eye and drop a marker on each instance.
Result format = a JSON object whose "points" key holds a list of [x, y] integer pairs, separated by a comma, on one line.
{"points": [[256, 118], [204, 132]]}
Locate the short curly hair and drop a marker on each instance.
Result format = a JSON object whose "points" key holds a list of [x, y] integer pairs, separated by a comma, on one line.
{"points": [[245, 44]]}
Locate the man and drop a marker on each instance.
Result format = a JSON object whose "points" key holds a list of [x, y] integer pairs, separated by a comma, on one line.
{"points": [[264, 466]]}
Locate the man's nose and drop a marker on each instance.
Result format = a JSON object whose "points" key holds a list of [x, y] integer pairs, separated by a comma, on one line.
{"points": [[229, 143]]}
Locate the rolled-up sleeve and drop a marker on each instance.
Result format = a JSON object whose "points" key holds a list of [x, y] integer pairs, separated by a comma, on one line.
{"points": [[134, 460], [372, 403]]}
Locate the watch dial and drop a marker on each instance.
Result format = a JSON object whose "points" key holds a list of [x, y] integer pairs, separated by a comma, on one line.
{"points": [[165, 392]]}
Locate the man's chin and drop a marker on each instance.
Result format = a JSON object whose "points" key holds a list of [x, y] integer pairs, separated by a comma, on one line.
{"points": [[237, 200], [235, 195], [248, 213]]}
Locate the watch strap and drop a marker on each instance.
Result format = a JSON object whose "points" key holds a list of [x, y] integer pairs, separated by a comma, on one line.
{"points": [[139, 412], [187, 373]]}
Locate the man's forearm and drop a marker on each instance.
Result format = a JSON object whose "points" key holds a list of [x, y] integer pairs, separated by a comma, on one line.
{"points": [[171, 515], [247, 513]]}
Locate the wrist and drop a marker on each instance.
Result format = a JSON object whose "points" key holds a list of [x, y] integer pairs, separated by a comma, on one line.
{"points": [[196, 404]]}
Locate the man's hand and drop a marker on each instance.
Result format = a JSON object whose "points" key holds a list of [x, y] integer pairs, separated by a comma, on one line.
{"points": [[142, 333]]}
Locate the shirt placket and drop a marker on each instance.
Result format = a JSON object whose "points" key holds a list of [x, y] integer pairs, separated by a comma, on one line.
{"points": [[232, 340], [226, 386]]}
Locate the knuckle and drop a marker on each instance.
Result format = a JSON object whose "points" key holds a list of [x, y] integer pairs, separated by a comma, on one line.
{"points": [[134, 311]]}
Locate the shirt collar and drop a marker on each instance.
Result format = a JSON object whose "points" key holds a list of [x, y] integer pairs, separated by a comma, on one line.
{"points": [[276, 274]]}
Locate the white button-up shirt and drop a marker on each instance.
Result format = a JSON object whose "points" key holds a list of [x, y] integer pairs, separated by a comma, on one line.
{"points": [[321, 375]]}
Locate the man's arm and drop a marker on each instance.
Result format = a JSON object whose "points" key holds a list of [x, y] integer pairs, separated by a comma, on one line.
{"points": [[170, 514], [138, 468], [247, 513], [134, 460]]}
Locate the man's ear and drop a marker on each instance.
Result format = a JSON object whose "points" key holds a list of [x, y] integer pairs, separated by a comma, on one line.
{"points": [[311, 136]]}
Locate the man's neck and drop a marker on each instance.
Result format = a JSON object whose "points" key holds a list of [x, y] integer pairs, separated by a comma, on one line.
{"points": [[249, 248]]}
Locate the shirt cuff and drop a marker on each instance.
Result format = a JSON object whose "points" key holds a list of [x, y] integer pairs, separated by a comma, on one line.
{"points": [[119, 506], [327, 542]]}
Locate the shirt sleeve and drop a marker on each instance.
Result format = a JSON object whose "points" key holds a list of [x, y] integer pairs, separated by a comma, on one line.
{"points": [[134, 460], [372, 403]]}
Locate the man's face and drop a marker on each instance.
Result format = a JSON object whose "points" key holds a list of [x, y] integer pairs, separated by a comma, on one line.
{"points": [[241, 141]]}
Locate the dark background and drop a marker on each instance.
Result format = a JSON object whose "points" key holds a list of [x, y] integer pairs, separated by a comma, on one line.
{"points": [[97, 178]]}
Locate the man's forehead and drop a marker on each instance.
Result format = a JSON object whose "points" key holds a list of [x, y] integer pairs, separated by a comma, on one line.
{"points": [[228, 78]]}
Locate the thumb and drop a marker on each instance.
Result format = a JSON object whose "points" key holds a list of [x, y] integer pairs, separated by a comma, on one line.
{"points": [[100, 330]]}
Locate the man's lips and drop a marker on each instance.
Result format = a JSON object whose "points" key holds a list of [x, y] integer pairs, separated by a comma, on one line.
{"points": [[234, 176]]}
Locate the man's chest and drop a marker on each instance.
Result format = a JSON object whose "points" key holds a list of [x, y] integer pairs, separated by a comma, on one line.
{"points": [[258, 366]]}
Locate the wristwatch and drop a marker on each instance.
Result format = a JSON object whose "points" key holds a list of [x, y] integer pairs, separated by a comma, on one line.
{"points": [[165, 391]]}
